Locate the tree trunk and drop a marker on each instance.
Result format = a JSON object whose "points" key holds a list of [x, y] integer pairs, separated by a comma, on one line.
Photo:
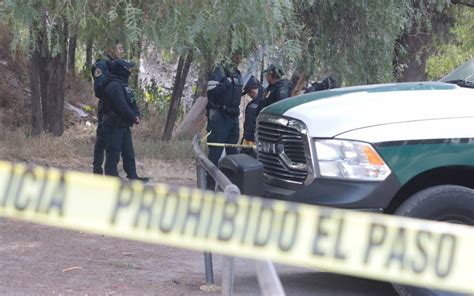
{"points": [[196, 117], [135, 55], [184, 64], [201, 87], [299, 81], [50, 81], [72, 52], [53, 77], [36, 107], [414, 47], [415, 44], [194, 120], [89, 53]]}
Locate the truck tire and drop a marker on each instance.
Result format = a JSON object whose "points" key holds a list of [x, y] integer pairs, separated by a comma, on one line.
{"points": [[447, 203]]}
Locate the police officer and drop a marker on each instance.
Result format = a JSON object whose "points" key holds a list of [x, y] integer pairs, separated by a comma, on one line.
{"points": [[121, 113], [224, 93], [100, 71], [254, 89], [327, 83], [278, 88]]}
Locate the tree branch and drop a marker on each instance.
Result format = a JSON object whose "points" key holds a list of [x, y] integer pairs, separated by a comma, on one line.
{"points": [[466, 3]]}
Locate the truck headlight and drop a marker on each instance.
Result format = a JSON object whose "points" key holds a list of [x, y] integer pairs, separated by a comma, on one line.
{"points": [[350, 160]]}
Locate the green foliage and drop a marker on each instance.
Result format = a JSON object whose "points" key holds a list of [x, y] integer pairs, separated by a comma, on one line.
{"points": [[29, 18], [460, 48], [215, 30], [154, 99], [87, 108], [102, 21], [353, 39], [356, 39]]}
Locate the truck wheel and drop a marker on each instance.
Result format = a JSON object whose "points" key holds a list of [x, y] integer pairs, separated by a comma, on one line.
{"points": [[448, 203]]}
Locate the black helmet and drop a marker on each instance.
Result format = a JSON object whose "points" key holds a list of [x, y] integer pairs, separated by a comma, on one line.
{"points": [[218, 74], [329, 82], [275, 70], [122, 67], [251, 83]]}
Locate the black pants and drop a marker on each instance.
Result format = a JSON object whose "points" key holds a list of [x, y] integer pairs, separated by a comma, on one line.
{"points": [[118, 141], [99, 149], [224, 128]]}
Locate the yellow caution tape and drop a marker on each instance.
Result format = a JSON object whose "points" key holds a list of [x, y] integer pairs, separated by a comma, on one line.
{"points": [[409, 251], [231, 145]]}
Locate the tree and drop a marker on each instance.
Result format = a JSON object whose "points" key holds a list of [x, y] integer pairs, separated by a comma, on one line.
{"points": [[353, 40], [214, 30], [72, 46], [47, 47], [425, 19], [48, 24], [456, 49], [184, 63], [371, 41]]}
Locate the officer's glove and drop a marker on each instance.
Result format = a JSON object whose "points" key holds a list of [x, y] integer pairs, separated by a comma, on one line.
{"points": [[248, 142]]}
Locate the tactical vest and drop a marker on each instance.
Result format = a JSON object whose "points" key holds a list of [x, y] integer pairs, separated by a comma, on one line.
{"points": [[237, 86], [111, 116], [225, 91]]}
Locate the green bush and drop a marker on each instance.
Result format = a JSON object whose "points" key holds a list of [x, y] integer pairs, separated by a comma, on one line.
{"points": [[154, 100]]}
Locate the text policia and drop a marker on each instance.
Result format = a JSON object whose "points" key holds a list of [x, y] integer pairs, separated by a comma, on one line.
{"points": [[408, 251]]}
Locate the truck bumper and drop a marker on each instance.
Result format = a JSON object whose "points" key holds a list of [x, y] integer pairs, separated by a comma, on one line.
{"points": [[247, 173], [369, 196]]}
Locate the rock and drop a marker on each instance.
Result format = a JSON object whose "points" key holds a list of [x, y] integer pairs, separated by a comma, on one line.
{"points": [[78, 112]]}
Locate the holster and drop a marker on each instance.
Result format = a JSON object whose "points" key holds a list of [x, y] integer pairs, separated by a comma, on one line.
{"points": [[113, 120]]}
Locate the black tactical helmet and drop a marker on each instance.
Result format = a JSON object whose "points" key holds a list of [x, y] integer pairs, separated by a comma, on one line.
{"points": [[251, 83], [275, 70], [122, 68], [329, 82]]}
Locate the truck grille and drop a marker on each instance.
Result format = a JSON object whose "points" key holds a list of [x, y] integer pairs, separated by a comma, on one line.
{"points": [[282, 148]]}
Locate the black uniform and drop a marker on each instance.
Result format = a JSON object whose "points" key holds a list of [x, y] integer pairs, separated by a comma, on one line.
{"points": [[251, 116], [281, 90], [315, 86], [223, 110], [121, 113], [100, 71], [327, 83]]}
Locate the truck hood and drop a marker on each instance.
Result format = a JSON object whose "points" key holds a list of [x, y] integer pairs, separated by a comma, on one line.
{"points": [[330, 113]]}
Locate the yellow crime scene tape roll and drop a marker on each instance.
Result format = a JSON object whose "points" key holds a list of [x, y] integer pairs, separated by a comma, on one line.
{"points": [[394, 249]]}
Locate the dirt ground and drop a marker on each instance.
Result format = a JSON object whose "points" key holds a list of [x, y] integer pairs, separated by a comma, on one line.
{"points": [[40, 260], [36, 259]]}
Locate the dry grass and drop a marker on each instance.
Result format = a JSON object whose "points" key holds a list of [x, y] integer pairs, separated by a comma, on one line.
{"points": [[79, 92], [16, 144], [163, 161], [170, 162]]}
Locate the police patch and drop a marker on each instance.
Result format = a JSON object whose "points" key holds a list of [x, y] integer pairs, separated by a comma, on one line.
{"points": [[97, 72]]}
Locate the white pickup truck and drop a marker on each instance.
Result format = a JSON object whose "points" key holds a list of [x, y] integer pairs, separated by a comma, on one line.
{"points": [[405, 149]]}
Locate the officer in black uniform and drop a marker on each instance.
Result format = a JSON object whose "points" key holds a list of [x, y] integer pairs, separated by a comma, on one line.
{"points": [[327, 83], [121, 113], [100, 72], [254, 89], [224, 92], [278, 88]]}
